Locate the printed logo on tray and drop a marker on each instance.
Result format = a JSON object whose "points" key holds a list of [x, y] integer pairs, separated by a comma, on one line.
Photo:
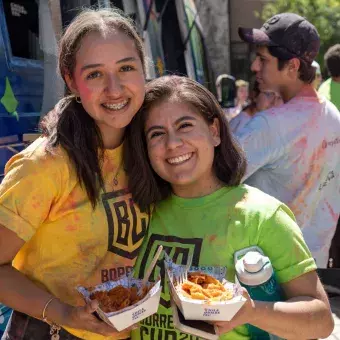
{"points": [[127, 226], [211, 311], [138, 314], [179, 250]]}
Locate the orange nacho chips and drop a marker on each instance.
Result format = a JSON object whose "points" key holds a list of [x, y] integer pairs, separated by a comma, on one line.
{"points": [[205, 287]]}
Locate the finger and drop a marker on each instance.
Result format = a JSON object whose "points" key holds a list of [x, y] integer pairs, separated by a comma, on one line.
{"points": [[245, 293], [217, 330], [91, 306]]}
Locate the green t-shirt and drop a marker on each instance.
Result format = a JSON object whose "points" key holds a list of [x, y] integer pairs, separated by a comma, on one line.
{"points": [[211, 229], [331, 90]]}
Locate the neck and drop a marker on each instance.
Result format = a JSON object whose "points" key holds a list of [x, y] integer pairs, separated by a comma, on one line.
{"points": [[112, 138], [300, 89], [195, 190], [336, 79]]}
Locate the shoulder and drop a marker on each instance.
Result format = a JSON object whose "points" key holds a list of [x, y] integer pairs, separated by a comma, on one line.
{"points": [[325, 89], [252, 201], [38, 161], [324, 86], [331, 109]]}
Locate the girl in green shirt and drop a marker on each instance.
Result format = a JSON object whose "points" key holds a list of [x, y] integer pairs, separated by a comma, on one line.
{"points": [[187, 166]]}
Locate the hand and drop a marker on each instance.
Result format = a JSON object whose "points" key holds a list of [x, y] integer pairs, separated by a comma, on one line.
{"points": [[83, 318], [243, 316]]}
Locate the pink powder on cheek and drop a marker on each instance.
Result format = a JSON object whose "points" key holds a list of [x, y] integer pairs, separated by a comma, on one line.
{"points": [[84, 90]]}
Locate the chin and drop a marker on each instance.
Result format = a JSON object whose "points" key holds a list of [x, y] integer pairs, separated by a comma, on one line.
{"points": [[181, 181], [119, 123]]}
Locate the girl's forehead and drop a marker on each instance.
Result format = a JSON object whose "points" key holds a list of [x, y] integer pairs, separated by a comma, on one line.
{"points": [[114, 44], [169, 113]]}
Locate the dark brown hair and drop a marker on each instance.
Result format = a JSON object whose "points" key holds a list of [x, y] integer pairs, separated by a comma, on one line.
{"points": [[306, 71], [146, 186], [332, 60], [69, 125]]}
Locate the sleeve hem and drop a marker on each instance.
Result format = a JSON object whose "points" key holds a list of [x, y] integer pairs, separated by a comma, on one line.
{"points": [[15, 223], [297, 270]]}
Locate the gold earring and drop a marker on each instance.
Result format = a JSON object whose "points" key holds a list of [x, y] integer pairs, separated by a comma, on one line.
{"points": [[78, 100]]}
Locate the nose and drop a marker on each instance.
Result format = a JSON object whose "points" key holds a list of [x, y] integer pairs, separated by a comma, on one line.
{"points": [[114, 86], [173, 141], [256, 65]]}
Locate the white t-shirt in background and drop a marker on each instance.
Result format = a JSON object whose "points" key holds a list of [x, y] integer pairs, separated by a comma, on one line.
{"points": [[293, 154]]}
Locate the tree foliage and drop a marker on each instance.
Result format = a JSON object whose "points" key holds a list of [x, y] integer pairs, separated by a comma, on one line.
{"points": [[323, 14]]}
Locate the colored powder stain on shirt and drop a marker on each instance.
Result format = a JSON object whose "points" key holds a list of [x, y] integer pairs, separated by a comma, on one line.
{"points": [[301, 144], [260, 221], [332, 212], [68, 243], [71, 227], [294, 156]]}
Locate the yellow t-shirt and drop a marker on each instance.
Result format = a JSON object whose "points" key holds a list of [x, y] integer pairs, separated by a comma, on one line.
{"points": [[67, 242]]}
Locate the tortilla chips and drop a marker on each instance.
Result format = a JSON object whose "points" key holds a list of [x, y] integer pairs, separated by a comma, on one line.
{"points": [[205, 287]]}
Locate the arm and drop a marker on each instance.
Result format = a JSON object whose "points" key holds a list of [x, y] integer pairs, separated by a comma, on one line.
{"points": [[23, 187], [21, 294], [260, 142], [305, 315]]}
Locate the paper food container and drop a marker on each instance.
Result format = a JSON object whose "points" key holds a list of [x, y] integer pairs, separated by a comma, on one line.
{"points": [[130, 315], [198, 328], [204, 310]]}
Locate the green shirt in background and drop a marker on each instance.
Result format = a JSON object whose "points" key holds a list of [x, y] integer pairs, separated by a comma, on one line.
{"points": [[212, 229], [330, 89]]}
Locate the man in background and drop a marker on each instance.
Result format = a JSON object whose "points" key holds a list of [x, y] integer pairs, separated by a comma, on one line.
{"points": [[293, 150], [331, 87]]}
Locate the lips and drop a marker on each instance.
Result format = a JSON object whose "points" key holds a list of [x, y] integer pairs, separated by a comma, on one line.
{"points": [[180, 159], [116, 106]]}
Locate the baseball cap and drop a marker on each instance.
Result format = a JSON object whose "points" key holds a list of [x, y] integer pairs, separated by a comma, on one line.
{"points": [[287, 35]]}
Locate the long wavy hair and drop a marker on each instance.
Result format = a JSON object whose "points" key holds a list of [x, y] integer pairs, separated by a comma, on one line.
{"points": [[68, 125], [146, 186]]}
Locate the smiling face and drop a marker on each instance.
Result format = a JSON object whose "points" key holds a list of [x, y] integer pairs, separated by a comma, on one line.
{"points": [[109, 80], [181, 147]]}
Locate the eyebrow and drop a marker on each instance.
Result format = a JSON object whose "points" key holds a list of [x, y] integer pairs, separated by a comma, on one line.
{"points": [[86, 67], [124, 60], [158, 127]]}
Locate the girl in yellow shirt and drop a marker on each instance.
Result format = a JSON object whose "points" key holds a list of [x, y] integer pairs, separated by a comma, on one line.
{"points": [[66, 216]]}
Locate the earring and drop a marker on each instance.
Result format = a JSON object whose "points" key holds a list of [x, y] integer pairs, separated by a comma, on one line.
{"points": [[78, 100]]}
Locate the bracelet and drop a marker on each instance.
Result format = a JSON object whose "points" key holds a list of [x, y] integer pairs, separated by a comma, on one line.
{"points": [[44, 318]]}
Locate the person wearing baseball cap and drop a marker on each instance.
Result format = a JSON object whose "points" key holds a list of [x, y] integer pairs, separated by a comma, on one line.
{"points": [[293, 150]]}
